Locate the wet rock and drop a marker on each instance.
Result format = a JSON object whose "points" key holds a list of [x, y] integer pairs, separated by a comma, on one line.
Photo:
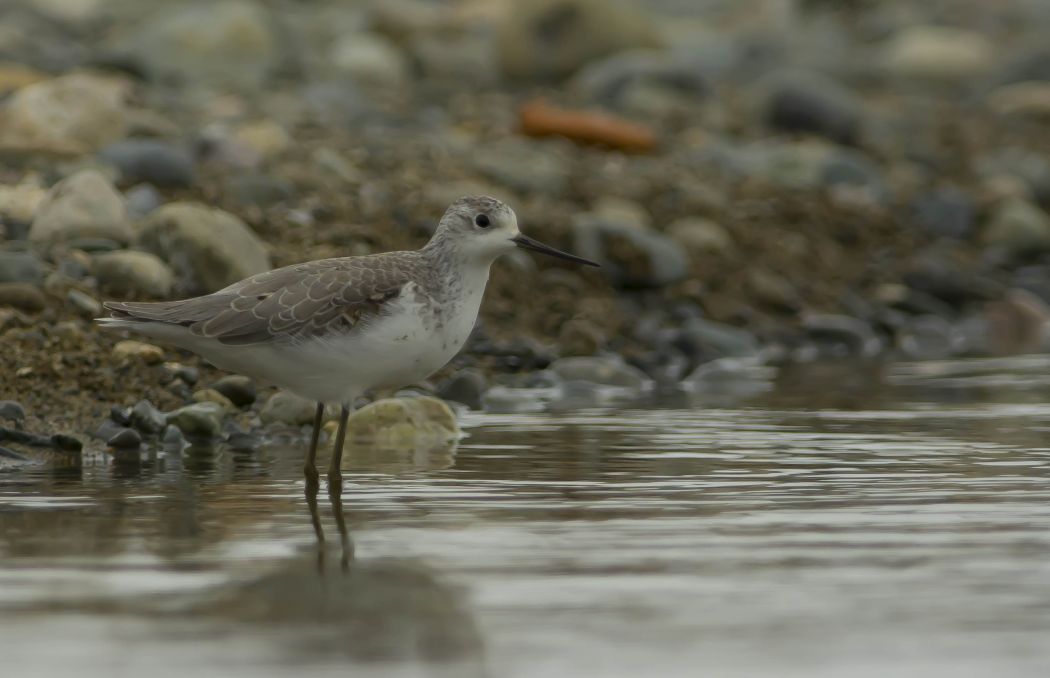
{"points": [[57, 441], [107, 429], [839, 336], [929, 337], [287, 408], [187, 374], [939, 274], [22, 296], [528, 167], [947, 212], [630, 256], [150, 160], [466, 387], [228, 42], [238, 389], [553, 38], [83, 303], [11, 410], [703, 340], [21, 267], [74, 113], [137, 350], [807, 102], [727, 380], [131, 273], [395, 422], [210, 395], [84, 205], [207, 248], [939, 54], [697, 235], [173, 438], [512, 400], [617, 81], [147, 418], [1018, 228], [125, 439], [605, 371], [369, 59], [142, 199], [200, 421]]}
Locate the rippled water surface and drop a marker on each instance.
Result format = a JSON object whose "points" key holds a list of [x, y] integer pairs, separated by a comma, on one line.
{"points": [[895, 522]]}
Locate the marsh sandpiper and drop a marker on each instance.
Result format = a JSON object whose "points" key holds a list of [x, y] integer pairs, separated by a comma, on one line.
{"points": [[333, 330]]}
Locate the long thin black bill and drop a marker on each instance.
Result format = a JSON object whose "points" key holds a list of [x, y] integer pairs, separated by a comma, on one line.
{"points": [[528, 243]]}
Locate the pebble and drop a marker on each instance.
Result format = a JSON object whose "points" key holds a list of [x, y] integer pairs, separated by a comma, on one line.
{"points": [[83, 205], [938, 54], [466, 387], [618, 80], [142, 199], [22, 296], [726, 380], [630, 256], [187, 374], [207, 248], [201, 421], [703, 340], [525, 166], [18, 206], [287, 408], [11, 410], [807, 102], [74, 113], [946, 212], [153, 161], [369, 59], [210, 395], [21, 267], [137, 350], [258, 188], [125, 438], [240, 390], [605, 371], [839, 336], [130, 273], [83, 303], [546, 39], [147, 418]]}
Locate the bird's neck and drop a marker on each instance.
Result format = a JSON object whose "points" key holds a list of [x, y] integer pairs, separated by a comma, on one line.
{"points": [[455, 268]]}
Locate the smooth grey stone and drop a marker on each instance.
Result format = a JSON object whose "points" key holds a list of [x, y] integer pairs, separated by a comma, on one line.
{"points": [[841, 336], [21, 267], [466, 387], [948, 212], [198, 421], [147, 418], [150, 160], [606, 371], [807, 102], [239, 389], [125, 438]]}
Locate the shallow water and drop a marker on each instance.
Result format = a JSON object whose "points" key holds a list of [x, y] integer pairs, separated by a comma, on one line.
{"points": [[888, 522]]}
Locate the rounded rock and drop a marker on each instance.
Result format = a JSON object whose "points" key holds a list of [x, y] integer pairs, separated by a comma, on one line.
{"points": [[147, 418], [240, 390], [207, 248], [11, 410], [137, 350], [125, 439], [133, 273], [21, 267], [22, 296], [287, 408], [466, 387], [199, 420], [83, 205]]}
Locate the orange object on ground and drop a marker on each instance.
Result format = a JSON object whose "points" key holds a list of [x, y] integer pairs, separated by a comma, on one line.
{"points": [[540, 119]]}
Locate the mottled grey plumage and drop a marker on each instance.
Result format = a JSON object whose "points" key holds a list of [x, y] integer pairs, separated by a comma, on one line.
{"points": [[291, 303]]}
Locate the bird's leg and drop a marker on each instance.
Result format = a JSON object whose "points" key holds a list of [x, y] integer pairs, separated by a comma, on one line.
{"points": [[335, 474], [315, 519], [310, 468]]}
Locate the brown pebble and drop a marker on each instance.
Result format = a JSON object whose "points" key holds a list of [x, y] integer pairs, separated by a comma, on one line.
{"points": [[147, 353], [22, 296], [539, 119]]}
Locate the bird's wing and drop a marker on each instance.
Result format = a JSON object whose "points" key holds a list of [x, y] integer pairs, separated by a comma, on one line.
{"points": [[291, 303]]}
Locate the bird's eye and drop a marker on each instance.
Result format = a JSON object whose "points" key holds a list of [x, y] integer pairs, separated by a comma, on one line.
{"points": [[482, 220]]}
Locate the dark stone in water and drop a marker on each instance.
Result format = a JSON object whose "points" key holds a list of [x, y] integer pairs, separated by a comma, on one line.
{"points": [[147, 418], [120, 415], [107, 429], [125, 438], [58, 441], [467, 387]]}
